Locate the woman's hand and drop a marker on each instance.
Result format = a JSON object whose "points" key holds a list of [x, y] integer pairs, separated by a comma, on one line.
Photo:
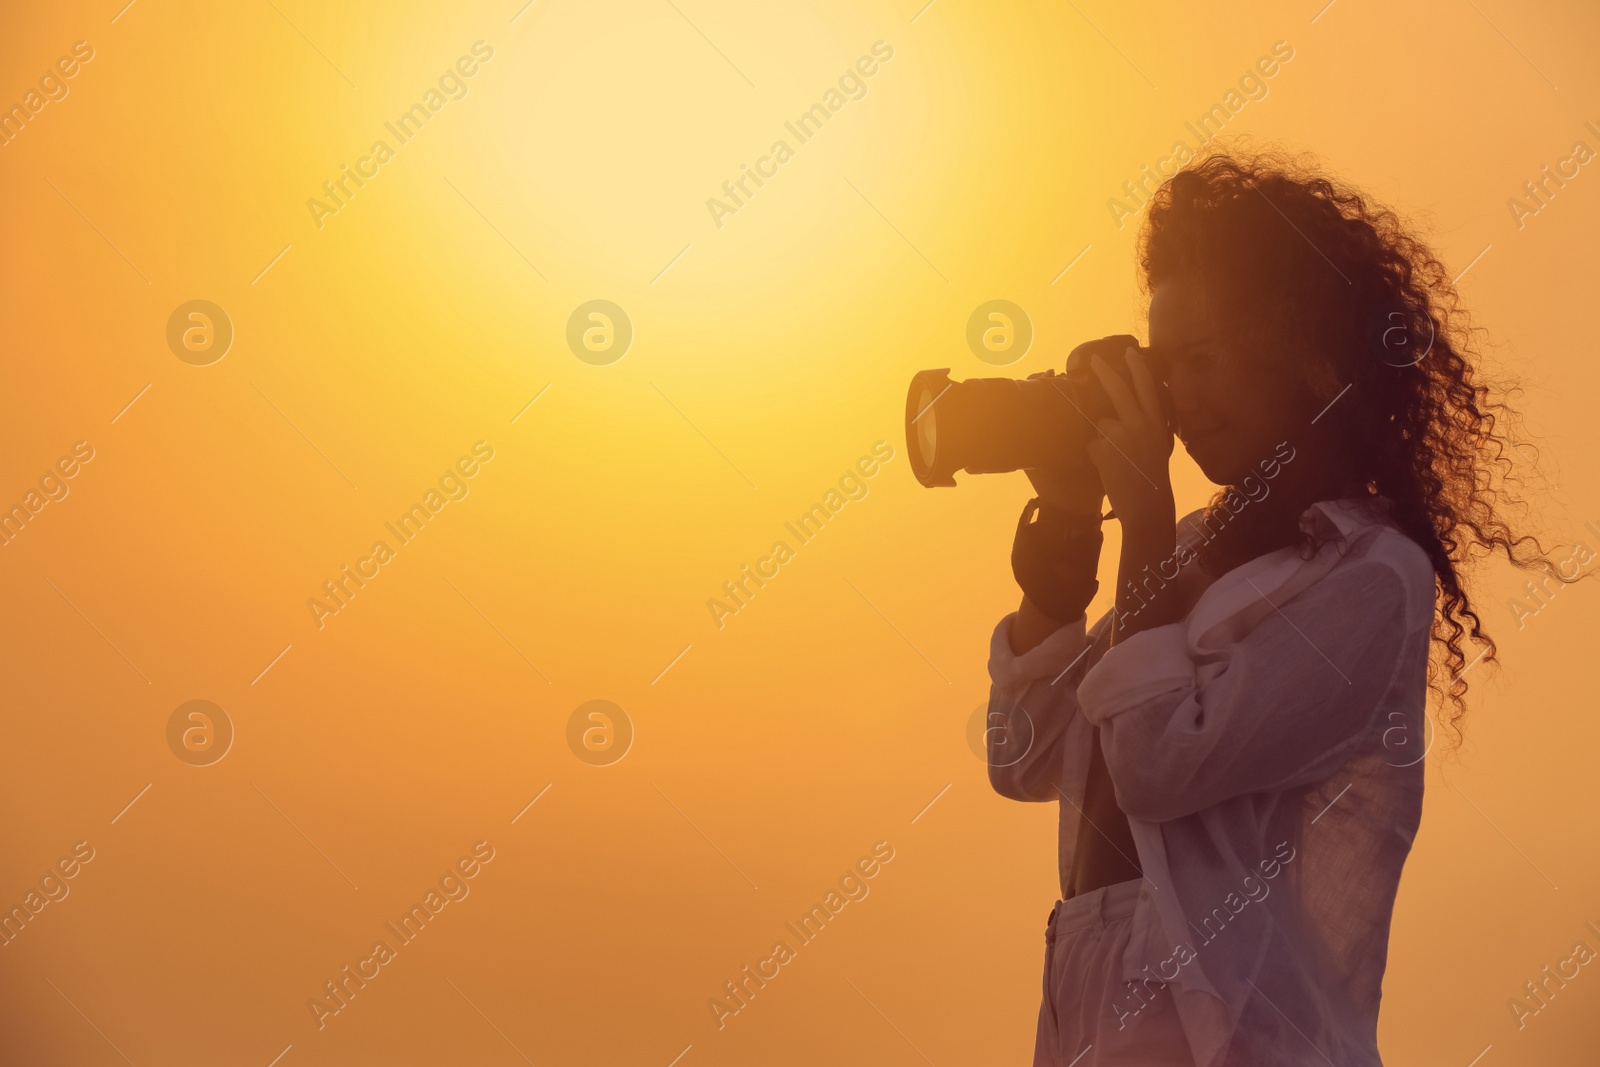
{"points": [[1134, 449], [1132, 453]]}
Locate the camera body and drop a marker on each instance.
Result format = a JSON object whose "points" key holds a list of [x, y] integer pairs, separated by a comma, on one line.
{"points": [[994, 425]]}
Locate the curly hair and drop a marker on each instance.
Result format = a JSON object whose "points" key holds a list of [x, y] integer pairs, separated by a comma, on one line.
{"points": [[1286, 253]]}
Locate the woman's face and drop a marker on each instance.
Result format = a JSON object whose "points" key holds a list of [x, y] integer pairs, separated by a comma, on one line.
{"points": [[1230, 416]]}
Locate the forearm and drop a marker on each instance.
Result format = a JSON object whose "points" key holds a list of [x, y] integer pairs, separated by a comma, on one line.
{"points": [[1147, 548], [1031, 705], [1188, 720], [1023, 734], [1030, 627]]}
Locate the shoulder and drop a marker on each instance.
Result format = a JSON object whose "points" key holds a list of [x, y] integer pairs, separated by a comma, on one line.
{"points": [[1367, 541], [1365, 572], [1191, 529]]}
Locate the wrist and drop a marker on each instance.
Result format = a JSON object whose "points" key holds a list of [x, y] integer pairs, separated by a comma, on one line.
{"points": [[1031, 626], [1075, 516], [1143, 601], [1151, 520]]}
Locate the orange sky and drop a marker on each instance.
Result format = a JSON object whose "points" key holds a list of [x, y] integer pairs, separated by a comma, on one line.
{"points": [[428, 316]]}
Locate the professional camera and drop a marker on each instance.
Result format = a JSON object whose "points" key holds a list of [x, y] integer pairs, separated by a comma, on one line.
{"points": [[994, 425]]}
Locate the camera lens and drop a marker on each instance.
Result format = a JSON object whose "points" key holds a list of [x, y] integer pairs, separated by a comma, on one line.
{"points": [[927, 427], [994, 425]]}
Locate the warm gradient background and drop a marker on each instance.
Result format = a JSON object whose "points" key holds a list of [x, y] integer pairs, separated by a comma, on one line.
{"points": [[768, 357]]}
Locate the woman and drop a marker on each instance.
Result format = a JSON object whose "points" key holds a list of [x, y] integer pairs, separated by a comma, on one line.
{"points": [[1236, 745]]}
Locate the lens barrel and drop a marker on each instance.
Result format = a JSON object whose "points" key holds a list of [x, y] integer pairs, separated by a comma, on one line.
{"points": [[994, 425]]}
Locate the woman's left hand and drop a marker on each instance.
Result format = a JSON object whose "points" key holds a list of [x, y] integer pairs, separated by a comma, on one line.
{"points": [[1134, 448]]}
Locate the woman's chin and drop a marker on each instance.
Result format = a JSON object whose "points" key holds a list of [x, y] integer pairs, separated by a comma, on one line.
{"points": [[1206, 460]]}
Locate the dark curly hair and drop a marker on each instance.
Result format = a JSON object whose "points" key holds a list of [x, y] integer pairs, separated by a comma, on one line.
{"points": [[1333, 292]]}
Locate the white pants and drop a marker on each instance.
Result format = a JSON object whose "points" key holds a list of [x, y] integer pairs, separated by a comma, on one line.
{"points": [[1089, 1015]]}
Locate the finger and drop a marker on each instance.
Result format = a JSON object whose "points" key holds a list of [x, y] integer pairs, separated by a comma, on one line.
{"points": [[1144, 386], [1112, 444], [1114, 441], [1098, 451], [1110, 463], [1122, 398]]}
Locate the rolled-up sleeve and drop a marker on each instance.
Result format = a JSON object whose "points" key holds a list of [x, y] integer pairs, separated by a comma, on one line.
{"points": [[1031, 701], [1186, 722]]}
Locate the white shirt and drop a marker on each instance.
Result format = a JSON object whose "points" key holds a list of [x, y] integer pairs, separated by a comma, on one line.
{"points": [[1267, 751]]}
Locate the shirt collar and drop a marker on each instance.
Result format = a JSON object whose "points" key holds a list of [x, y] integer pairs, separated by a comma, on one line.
{"points": [[1346, 518]]}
